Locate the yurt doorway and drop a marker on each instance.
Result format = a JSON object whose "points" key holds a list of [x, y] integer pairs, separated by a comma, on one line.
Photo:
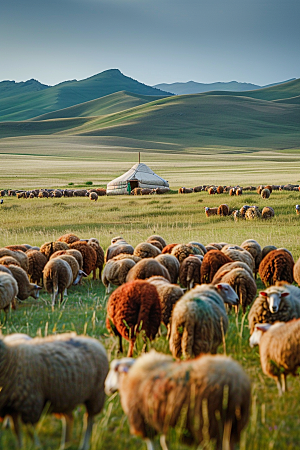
{"points": [[134, 184]]}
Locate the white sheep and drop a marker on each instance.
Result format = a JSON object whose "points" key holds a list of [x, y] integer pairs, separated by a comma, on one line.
{"points": [[65, 370], [157, 393], [279, 348]]}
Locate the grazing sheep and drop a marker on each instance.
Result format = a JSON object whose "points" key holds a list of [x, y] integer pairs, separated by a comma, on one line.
{"points": [[72, 252], [210, 211], [93, 196], [58, 277], [189, 273], [276, 303], [146, 268], [8, 291], [25, 288], [254, 248], [172, 265], [184, 190], [269, 187], [157, 393], [21, 248], [115, 272], [199, 320], [252, 213], [40, 370], [232, 192], [243, 284], [51, 247], [212, 261], [244, 209], [133, 307], [146, 250], [68, 238], [117, 248], [216, 245], [36, 263], [236, 253], [238, 191], [89, 255], [157, 244], [223, 210], [298, 209], [200, 246], [267, 212], [76, 271], [20, 256], [277, 265], [265, 193], [168, 294], [168, 248], [94, 243], [220, 190], [212, 190], [182, 251], [259, 189], [8, 260], [279, 348], [236, 214], [136, 259], [227, 268], [156, 237], [267, 249]]}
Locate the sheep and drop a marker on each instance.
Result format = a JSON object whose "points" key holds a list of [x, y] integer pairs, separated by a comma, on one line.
{"points": [[237, 215], [68, 238], [265, 193], [136, 259], [172, 265], [267, 249], [244, 209], [89, 255], [200, 246], [279, 348], [232, 192], [94, 243], [212, 190], [198, 189], [58, 276], [277, 265], [223, 210], [157, 244], [25, 288], [182, 251], [156, 237], [8, 260], [244, 285], [210, 211], [227, 268], [212, 261], [168, 248], [72, 252], [267, 212], [236, 253], [297, 209], [259, 189], [216, 245], [21, 248], [73, 263], [80, 193], [36, 263], [276, 303], [40, 370], [8, 291], [168, 294], [220, 190], [117, 248], [254, 248], [115, 272], [147, 268], [156, 393], [20, 256], [51, 247], [133, 307], [252, 213], [189, 273], [93, 196], [269, 187], [199, 320], [238, 191], [184, 190], [146, 250]]}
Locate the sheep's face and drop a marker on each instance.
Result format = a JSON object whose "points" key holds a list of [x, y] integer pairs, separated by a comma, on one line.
{"points": [[228, 294], [274, 298], [117, 367], [259, 330]]}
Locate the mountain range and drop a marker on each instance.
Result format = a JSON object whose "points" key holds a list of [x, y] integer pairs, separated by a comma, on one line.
{"points": [[115, 106]]}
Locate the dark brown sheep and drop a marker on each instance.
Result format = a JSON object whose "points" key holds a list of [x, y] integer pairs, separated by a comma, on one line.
{"points": [[51, 247], [133, 307], [223, 210], [147, 268], [36, 263], [94, 243], [276, 266], [89, 255], [172, 265], [212, 261]]}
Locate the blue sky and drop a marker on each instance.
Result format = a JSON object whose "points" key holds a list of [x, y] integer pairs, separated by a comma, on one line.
{"points": [[153, 41]]}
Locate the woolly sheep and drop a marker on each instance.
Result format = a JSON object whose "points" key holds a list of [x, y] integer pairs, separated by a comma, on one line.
{"points": [[168, 248], [21, 248], [21, 257], [93, 196], [117, 248], [182, 251], [220, 190], [237, 215], [265, 193], [171, 263], [252, 213], [8, 260], [277, 265], [36, 263], [236, 253], [200, 246], [189, 273], [212, 261], [210, 211], [71, 360], [51, 247], [156, 393], [279, 348], [115, 272], [73, 263], [156, 237], [8, 291], [94, 243], [58, 277], [25, 288], [199, 320], [244, 209], [147, 268], [223, 210], [276, 303], [267, 249], [254, 248], [168, 294], [71, 251], [238, 191], [89, 255], [227, 268], [146, 250], [136, 259], [267, 212], [68, 238], [133, 307]]}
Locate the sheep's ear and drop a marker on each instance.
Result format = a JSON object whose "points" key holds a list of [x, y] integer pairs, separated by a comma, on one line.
{"points": [[284, 294], [264, 294], [219, 286], [262, 326]]}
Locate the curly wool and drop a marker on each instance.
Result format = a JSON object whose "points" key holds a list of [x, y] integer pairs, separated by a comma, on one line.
{"points": [[182, 251], [168, 248], [166, 391], [223, 210], [89, 255], [172, 265], [36, 263], [236, 253], [267, 212], [252, 213], [227, 268], [189, 273], [51, 247], [73, 265], [254, 249], [265, 193], [115, 272], [199, 322], [212, 261], [146, 250], [133, 307], [68, 238], [71, 251], [147, 268], [277, 265]]}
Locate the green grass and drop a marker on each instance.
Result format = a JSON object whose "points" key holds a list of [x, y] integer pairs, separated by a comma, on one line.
{"points": [[274, 422]]}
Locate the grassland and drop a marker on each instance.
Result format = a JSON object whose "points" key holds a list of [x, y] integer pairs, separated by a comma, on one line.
{"points": [[274, 421]]}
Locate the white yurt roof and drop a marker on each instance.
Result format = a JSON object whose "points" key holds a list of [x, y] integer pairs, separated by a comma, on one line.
{"points": [[141, 172]]}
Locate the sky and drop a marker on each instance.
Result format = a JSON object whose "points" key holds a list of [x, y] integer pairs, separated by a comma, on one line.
{"points": [[152, 41]]}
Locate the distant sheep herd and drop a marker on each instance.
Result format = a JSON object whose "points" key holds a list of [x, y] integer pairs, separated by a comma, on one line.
{"points": [[190, 288]]}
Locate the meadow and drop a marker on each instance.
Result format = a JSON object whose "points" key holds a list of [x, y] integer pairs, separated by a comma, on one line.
{"points": [[274, 422]]}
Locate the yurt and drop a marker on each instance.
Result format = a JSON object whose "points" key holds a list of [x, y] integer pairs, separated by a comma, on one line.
{"points": [[140, 175]]}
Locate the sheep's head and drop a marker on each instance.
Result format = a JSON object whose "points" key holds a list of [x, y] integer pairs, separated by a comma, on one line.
{"points": [[259, 330], [227, 293], [273, 297], [117, 367]]}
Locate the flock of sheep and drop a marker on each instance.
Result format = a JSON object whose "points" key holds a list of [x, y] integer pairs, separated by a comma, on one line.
{"points": [[190, 288]]}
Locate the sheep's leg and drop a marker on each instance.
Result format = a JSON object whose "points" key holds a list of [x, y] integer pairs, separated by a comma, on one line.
{"points": [[149, 443], [17, 428], [88, 432], [283, 382], [94, 274], [131, 347], [279, 386], [163, 442], [67, 428], [120, 344]]}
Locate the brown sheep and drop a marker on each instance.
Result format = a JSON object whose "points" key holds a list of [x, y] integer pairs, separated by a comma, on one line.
{"points": [[89, 255], [133, 307], [21, 248], [220, 190], [94, 243], [267, 212], [277, 265], [51, 247], [189, 273], [156, 237], [146, 250], [71, 251], [117, 248], [182, 251], [172, 265], [223, 210], [147, 268], [168, 248], [212, 261], [36, 263], [68, 238], [265, 193]]}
